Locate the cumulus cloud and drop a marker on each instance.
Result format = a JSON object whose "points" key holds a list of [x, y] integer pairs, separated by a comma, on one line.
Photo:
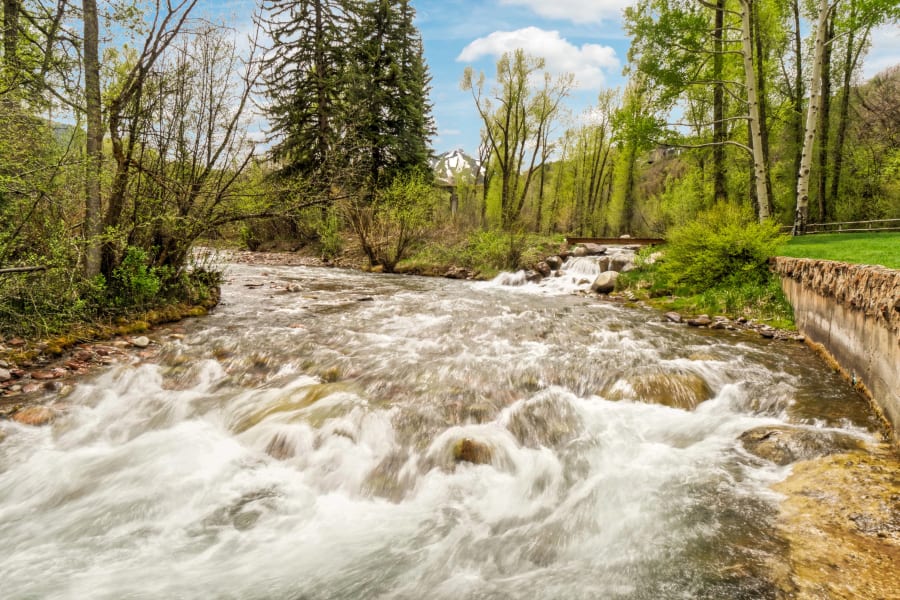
{"points": [[586, 63], [576, 11]]}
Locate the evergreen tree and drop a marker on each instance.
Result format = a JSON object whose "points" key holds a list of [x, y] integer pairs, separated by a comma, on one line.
{"points": [[304, 80], [391, 121]]}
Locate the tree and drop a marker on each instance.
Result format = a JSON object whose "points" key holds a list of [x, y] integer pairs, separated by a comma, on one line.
{"points": [[94, 151], [514, 128], [305, 81], [391, 124]]}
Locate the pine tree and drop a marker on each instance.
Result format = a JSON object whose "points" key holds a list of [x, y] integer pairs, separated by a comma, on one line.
{"points": [[391, 123], [305, 71]]}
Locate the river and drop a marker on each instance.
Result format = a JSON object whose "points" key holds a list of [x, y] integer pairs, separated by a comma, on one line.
{"points": [[334, 434]]}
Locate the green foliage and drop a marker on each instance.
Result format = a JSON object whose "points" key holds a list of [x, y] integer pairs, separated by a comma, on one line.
{"points": [[134, 282], [394, 221], [723, 246], [328, 229]]}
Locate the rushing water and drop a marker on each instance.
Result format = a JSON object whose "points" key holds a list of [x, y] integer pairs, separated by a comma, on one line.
{"points": [[304, 445]]}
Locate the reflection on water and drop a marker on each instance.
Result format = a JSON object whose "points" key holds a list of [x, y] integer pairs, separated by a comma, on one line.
{"points": [[391, 437]]}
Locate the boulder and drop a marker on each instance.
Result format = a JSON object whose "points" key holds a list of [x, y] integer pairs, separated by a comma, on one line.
{"points": [[533, 276], [468, 450], [141, 341], [554, 262], [621, 262], [580, 251], [603, 264], [594, 249], [674, 317], [701, 321], [783, 444], [680, 389], [543, 268], [455, 272], [605, 282], [34, 415]]}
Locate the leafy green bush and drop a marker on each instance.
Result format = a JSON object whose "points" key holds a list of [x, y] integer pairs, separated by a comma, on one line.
{"points": [[133, 283], [725, 245]]}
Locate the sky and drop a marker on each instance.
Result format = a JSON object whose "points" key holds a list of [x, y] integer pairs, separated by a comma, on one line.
{"points": [[584, 37]]}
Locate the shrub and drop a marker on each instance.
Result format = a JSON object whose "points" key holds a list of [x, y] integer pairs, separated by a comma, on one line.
{"points": [[133, 283], [725, 245]]}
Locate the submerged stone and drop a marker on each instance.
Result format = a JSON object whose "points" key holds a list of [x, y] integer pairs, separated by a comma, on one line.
{"points": [[35, 416], [680, 389], [784, 445], [468, 450]]}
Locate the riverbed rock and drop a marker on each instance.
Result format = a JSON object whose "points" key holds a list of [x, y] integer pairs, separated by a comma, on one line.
{"points": [[594, 249], [621, 263], [543, 268], [548, 421], [700, 321], [468, 450], [141, 341], [34, 415], [783, 445], [840, 519], [605, 282], [555, 262], [673, 317], [678, 389], [533, 276], [455, 272], [579, 251], [5, 375]]}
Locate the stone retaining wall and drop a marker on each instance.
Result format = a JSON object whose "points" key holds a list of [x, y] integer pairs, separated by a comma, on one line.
{"points": [[853, 312]]}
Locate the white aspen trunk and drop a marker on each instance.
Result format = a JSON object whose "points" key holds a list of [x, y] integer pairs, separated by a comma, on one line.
{"points": [[812, 113], [759, 162]]}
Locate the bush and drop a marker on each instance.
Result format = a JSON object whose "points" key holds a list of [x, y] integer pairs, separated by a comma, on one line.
{"points": [[133, 283], [724, 246]]}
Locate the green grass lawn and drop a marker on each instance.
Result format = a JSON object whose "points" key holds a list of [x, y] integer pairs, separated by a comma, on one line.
{"points": [[860, 248]]}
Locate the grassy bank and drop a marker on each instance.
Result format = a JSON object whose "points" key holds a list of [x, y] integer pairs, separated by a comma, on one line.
{"points": [[763, 301], [881, 248]]}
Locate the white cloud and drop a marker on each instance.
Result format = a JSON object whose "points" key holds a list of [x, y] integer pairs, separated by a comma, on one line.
{"points": [[577, 11], [885, 50], [586, 63]]}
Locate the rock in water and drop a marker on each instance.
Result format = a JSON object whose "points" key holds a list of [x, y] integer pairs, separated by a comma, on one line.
{"points": [[555, 262], [141, 342], [467, 450], [543, 268], [605, 282], [34, 415], [701, 321], [674, 317], [784, 445]]}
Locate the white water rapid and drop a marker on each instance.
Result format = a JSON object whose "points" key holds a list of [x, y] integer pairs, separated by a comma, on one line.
{"points": [[312, 445]]}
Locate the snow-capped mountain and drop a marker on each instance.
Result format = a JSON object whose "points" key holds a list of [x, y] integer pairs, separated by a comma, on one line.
{"points": [[450, 165]]}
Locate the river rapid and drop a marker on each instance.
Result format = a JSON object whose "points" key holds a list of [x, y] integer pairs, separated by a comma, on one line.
{"points": [[334, 434]]}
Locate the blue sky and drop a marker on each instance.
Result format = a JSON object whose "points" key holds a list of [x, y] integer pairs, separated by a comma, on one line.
{"points": [[584, 37]]}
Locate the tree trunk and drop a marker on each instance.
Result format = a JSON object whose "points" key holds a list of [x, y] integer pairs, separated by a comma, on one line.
{"points": [[844, 116], [815, 103], [11, 34], [720, 192], [759, 162], [763, 102], [824, 121], [797, 117], [94, 142]]}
